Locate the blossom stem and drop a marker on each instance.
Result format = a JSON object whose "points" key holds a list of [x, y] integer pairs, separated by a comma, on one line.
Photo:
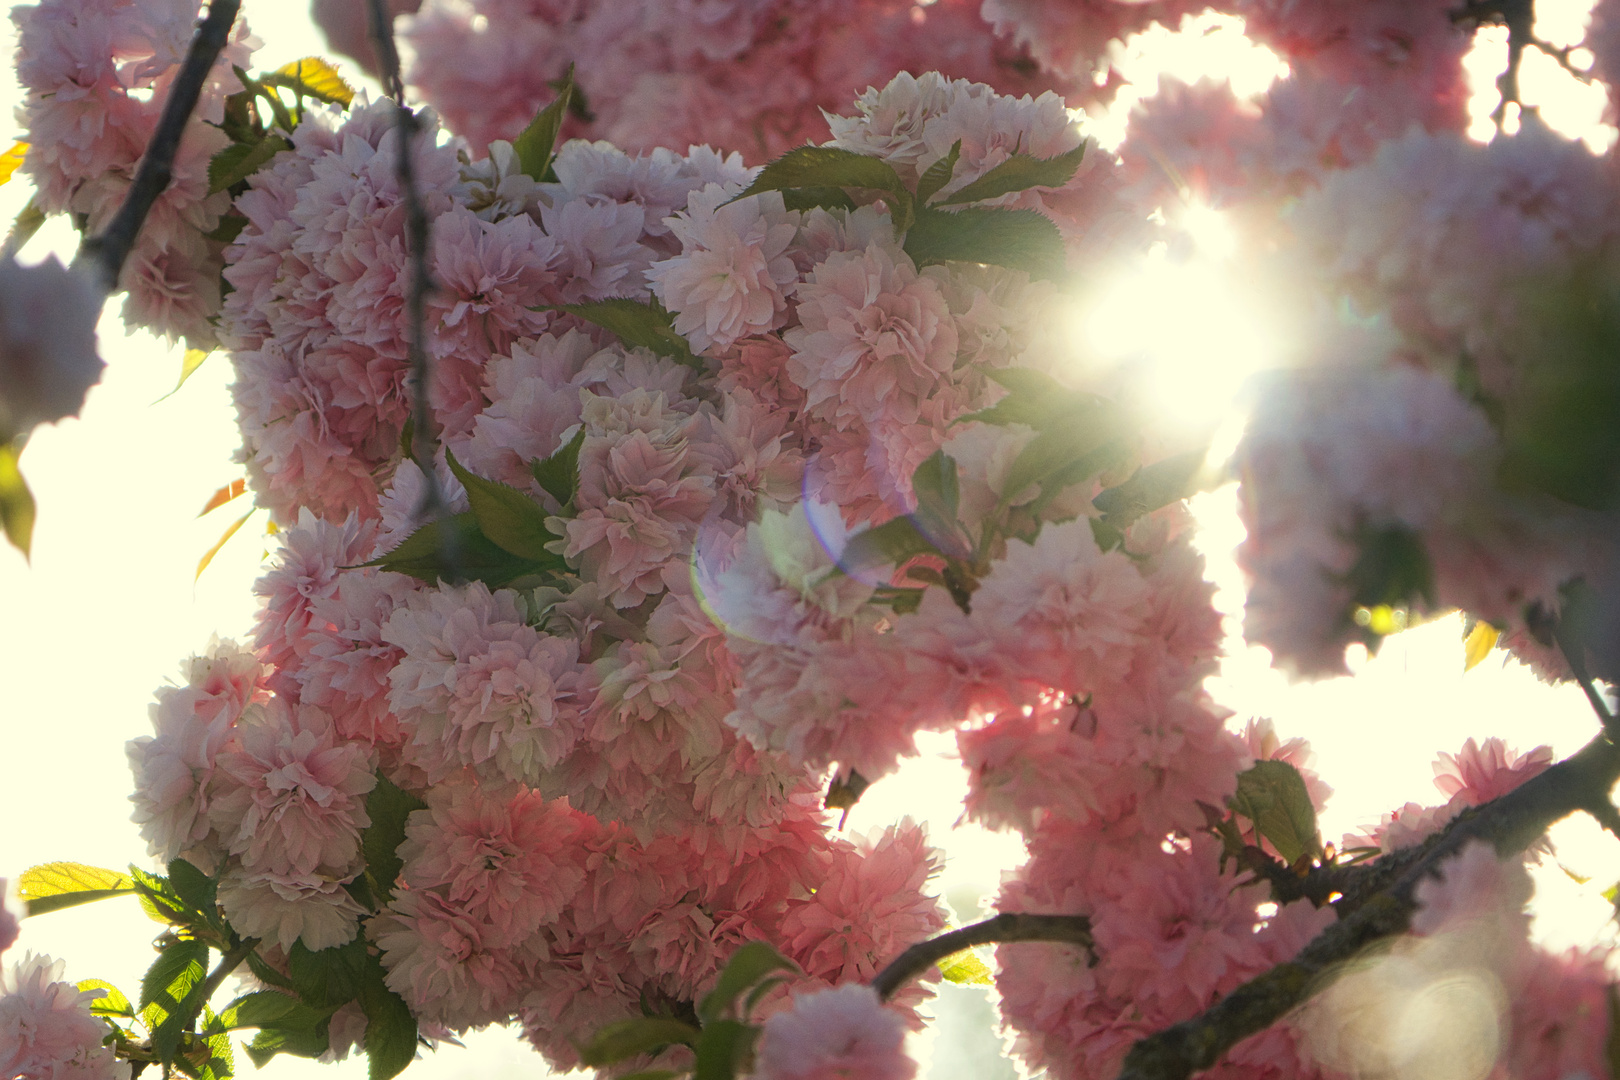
{"points": [[229, 961], [1510, 822], [109, 250], [1006, 927], [422, 444], [1574, 656]]}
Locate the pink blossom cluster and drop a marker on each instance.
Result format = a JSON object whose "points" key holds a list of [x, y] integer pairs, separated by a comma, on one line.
{"points": [[755, 75], [47, 1031], [94, 78]]}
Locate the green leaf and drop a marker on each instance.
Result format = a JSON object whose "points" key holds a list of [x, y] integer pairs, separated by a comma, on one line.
{"points": [[16, 506], [239, 161], [640, 1035], [271, 1041], [158, 898], [1151, 488], [726, 1049], [112, 1002], [1035, 399], [268, 1008], [829, 166], [209, 1054], [189, 364], [172, 994], [388, 806], [1066, 454], [515, 522], [1272, 794], [746, 967], [1392, 569], [891, 543], [199, 891], [937, 175], [266, 973], [937, 487], [808, 198], [477, 558], [536, 145], [966, 969], [329, 977], [559, 473], [1019, 173], [1019, 239], [635, 323], [58, 885], [312, 77], [390, 1027]]}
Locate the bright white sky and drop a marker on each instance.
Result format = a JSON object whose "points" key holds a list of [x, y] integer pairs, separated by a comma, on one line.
{"points": [[108, 609]]}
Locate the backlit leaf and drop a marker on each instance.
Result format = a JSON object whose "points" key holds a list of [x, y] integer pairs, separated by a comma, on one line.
{"points": [[172, 994], [1019, 239], [1272, 794], [1150, 488], [749, 964], [230, 531], [312, 77], [58, 885], [112, 1002], [536, 145], [23, 228], [11, 160], [966, 969], [639, 1035], [188, 366], [225, 494], [263, 1008], [16, 501], [1019, 173], [1481, 640], [159, 900]]}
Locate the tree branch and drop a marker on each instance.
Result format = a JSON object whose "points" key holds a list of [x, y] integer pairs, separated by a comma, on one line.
{"points": [[422, 449], [1511, 823], [1008, 926], [111, 248]]}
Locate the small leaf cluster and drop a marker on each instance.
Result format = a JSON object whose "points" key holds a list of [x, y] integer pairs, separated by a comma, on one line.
{"points": [[260, 122], [172, 1026], [1271, 796], [719, 1033]]}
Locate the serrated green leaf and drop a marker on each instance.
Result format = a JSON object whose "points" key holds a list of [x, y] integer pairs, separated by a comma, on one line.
{"points": [[749, 964], [266, 1008], [239, 161], [966, 969], [111, 1003], [58, 885], [172, 994], [808, 198], [937, 175], [1066, 454], [725, 1049], [891, 543], [17, 513], [937, 487], [1150, 488], [508, 517], [1272, 794], [331, 977], [312, 77], [1020, 173], [829, 166], [159, 900], [1019, 239], [271, 1041], [635, 323], [199, 891], [266, 973], [639, 1035], [558, 474], [209, 1053], [388, 806], [537, 144], [390, 1027], [477, 558], [229, 228]]}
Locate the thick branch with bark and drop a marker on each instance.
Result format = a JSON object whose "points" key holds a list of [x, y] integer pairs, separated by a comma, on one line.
{"points": [[108, 252], [1006, 927], [1510, 823]]}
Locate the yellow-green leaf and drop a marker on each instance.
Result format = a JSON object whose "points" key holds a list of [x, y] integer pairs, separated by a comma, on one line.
{"points": [[189, 365], [967, 969], [11, 160], [225, 494], [112, 1001], [1481, 640], [58, 885], [16, 501], [208, 556], [316, 78]]}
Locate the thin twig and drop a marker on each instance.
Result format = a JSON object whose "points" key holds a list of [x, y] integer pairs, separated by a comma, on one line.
{"points": [[1575, 656], [1511, 823], [111, 248], [228, 962], [433, 507], [1008, 926]]}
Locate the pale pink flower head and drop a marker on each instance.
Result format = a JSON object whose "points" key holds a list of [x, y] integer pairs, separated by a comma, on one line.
{"points": [[1479, 773], [890, 123], [876, 338], [1475, 889], [734, 274], [287, 908], [840, 1034], [47, 1031], [478, 686], [445, 963], [600, 253], [291, 800], [48, 359]]}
